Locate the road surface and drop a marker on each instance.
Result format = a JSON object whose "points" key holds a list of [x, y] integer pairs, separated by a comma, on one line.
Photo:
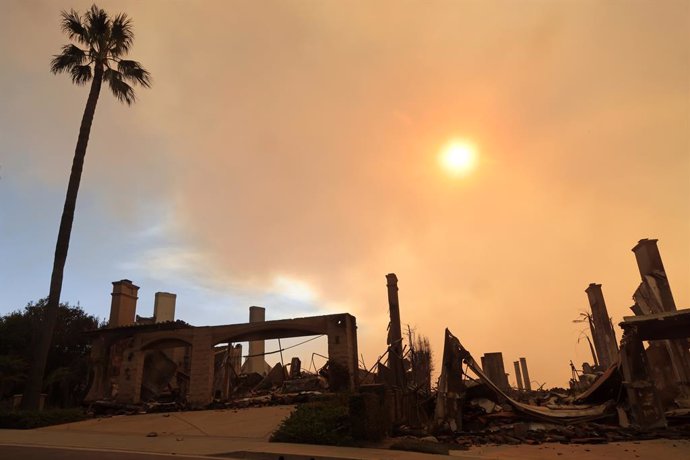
{"points": [[54, 453]]}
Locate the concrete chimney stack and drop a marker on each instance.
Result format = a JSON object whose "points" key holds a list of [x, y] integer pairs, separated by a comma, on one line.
{"points": [[395, 348], [518, 375], [123, 306], [257, 348], [602, 330], [525, 375], [649, 263], [493, 367], [164, 307], [648, 257]]}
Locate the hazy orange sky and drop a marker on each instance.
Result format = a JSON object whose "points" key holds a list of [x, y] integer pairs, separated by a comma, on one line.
{"points": [[286, 156]]}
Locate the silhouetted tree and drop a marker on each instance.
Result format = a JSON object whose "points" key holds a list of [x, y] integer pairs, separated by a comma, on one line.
{"points": [[102, 42], [67, 367]]}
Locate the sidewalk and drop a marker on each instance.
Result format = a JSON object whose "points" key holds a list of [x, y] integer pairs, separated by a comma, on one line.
{"points": [[210, 432], [247, 431]]}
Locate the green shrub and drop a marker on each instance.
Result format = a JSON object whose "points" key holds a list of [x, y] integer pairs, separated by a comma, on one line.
{"points": [[321, 422], [15, 419]]}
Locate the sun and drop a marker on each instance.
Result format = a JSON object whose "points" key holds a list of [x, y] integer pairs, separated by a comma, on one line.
{"points": [[458, 157]]}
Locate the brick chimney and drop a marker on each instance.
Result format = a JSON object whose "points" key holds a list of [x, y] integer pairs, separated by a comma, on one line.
{"points": [[164, 307], [124, 303]]}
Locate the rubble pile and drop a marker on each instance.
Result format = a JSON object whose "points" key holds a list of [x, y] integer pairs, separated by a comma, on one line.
{"points": [[277, 387], [535, 433], [638, 388], [634, 390], [487, 418]]}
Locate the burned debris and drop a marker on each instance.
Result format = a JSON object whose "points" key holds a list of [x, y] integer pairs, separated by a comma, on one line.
{"points": [[635, 389], [159, 362], [630, 392]]}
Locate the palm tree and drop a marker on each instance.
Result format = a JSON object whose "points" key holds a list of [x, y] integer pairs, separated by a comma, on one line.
{"points": [[103, 42]]}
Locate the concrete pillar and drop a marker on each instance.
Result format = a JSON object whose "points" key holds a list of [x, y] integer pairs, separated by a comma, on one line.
{"points": [[233, 364], [649, 263], [99, 387], [602, 331], [295, 368], [494, 368], [342, 345], [518, 374], [201, 373], [131, 374], [164, 307], [235, 359], [257, 348], [654, 296], [525, 375], [137, 375], [448, 411], [643, 399], [661, 372], [123, 305], [394, 340]]}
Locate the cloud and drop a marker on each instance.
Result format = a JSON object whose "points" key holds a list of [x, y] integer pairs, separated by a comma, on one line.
{"points": [[304, 171], [294, 289], [286, 157]]}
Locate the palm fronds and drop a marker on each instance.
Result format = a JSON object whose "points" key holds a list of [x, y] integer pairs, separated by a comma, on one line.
{"points": [[104, 42], [81, 74], [121, 90], [98, 26], [121, 35], [73, 27], [70, 57], [134, 72]]}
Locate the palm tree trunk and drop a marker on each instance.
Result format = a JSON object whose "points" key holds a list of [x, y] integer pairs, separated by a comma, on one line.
{"points": [[34, 384]]}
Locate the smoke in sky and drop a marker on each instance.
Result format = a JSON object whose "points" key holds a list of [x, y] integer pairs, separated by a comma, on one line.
{"points": [[287, 154]]}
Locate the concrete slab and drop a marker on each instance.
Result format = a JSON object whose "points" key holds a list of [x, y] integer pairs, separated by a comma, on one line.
{"points": [[257, 423], [199, 445], [222, 432], [213, 432]]}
